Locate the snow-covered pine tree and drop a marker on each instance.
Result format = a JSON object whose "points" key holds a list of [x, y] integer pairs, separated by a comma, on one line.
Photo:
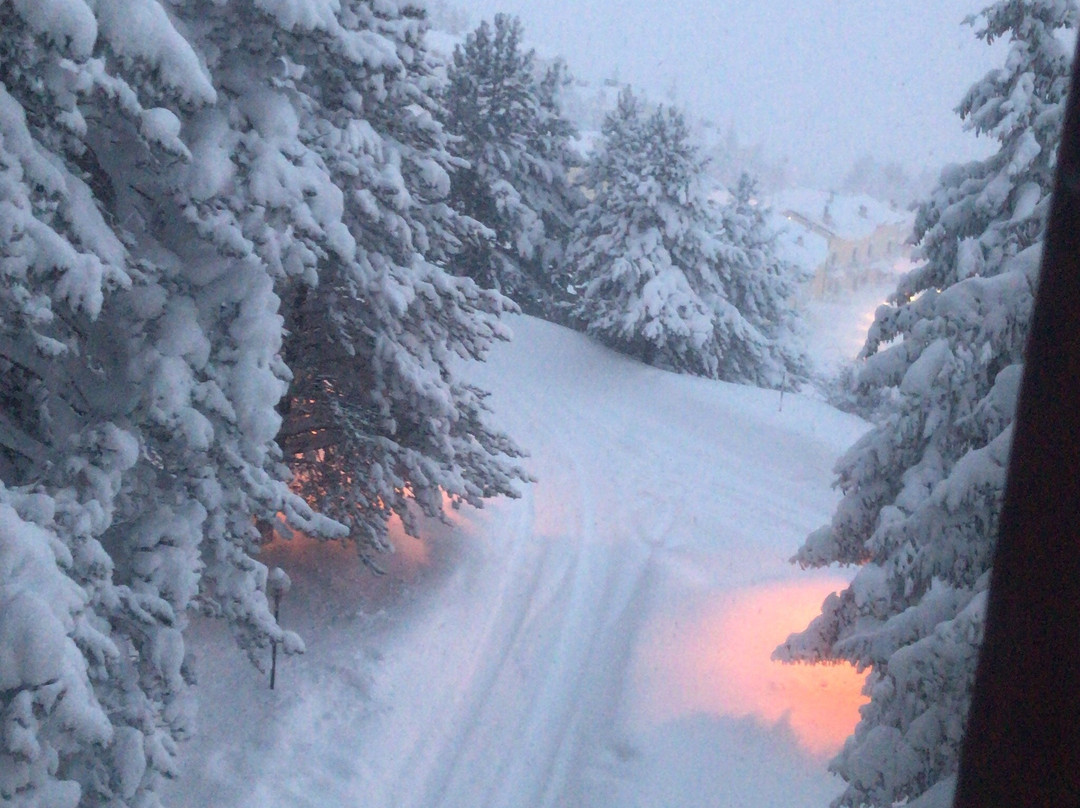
{"points": [[505, 113], [139, 375], [341, 151], [762, 286], [922, 491], [649, 253], [164, 172]]}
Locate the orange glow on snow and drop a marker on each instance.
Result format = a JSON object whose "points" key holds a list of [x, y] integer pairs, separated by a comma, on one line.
{"points": [[412, 553], [409, 557], [279, 537], [717, 661]]}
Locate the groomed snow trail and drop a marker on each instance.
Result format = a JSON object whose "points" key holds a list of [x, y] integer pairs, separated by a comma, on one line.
{"points": [[591, 644]]}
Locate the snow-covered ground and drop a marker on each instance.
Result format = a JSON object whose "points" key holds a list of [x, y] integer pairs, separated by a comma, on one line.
{"points": [[837, 325], [602, 641]]}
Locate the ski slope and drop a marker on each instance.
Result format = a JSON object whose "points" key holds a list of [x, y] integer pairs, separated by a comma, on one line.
{"points": [[602, 641]]}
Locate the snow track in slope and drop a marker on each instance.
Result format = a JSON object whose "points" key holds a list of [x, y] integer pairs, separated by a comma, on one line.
{"points": [[505, 670], [543, 680]]}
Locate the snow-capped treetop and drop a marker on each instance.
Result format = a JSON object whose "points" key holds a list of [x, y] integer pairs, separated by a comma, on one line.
{"points": [[643, 252], [762, 286], [505, 113], [661, 275], [1000, 205]]}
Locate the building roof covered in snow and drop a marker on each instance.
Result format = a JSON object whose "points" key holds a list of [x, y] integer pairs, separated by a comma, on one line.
{"points": [[846, 216], [800, 246]]}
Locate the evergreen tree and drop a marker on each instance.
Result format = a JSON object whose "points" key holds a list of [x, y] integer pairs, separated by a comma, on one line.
{"points": [[659, 273], [922, 491], [140, 373], [506, 115], [345, 154], [762, 286], [159, 192]]}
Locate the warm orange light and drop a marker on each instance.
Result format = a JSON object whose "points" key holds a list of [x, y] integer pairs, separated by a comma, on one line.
{"points": [[411, 552], [409, 557], [716, 660], [298, 549]]}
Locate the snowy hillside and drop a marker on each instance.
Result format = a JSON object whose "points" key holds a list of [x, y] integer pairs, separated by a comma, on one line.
{"points": [[602, 641]]}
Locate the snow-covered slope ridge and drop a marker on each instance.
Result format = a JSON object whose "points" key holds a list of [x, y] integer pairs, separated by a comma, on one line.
{"points": [[602, 641]]}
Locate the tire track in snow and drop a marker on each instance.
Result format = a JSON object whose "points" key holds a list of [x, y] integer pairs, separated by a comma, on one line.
{"points": [[546, 687], [555, 633], [427, 770], [484, 727], [579, 697]]}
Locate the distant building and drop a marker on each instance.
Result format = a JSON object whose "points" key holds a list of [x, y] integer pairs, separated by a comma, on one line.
{"points": [[865, 241]]}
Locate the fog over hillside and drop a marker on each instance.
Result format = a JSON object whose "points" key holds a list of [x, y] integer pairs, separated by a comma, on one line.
{"points": [[820, 82]]}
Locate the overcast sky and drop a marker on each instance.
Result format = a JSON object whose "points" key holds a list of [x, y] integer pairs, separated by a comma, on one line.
{"points": [[819, 81]]}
